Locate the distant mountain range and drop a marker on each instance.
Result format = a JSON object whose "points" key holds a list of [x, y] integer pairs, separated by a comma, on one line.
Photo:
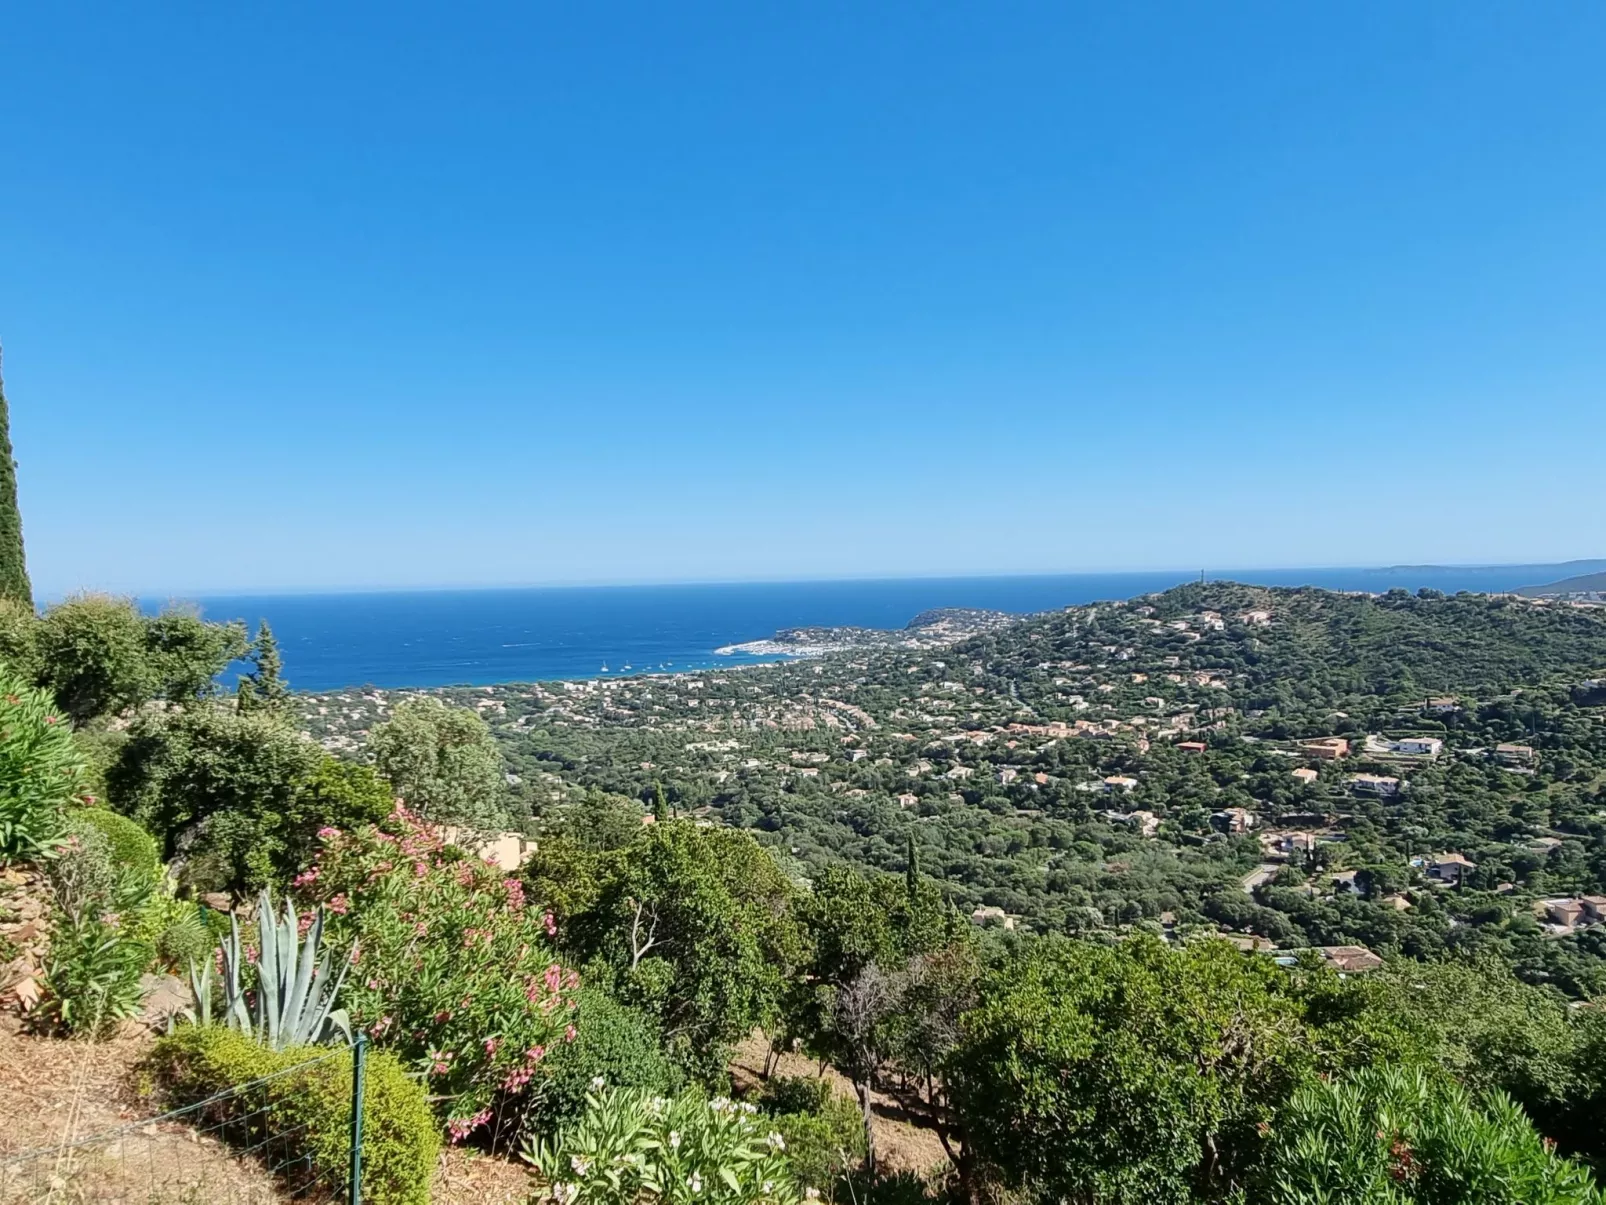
{"points": [[1582, 584]]}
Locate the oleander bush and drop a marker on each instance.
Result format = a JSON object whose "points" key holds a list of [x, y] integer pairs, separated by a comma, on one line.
{"points": [[41, 772], [311, 1106], [98, 949], [1390, 1136], [632, 1145], [454, 971]]}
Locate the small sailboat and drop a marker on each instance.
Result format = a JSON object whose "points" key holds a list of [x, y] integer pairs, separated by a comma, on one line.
{"points": [[604, 667]]}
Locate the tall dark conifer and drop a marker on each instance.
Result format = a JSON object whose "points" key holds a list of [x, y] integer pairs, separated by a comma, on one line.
{"points": [[911, 870], [13, 566]]}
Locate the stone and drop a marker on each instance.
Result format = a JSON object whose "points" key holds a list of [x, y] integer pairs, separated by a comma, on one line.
{"points": [[164, 996]]}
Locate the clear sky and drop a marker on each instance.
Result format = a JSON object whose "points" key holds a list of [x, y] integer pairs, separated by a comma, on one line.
{"points": [[402, 294]]}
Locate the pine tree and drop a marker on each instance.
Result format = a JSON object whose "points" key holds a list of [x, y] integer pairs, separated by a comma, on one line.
{"points": [[13, 565], [264, 688]]}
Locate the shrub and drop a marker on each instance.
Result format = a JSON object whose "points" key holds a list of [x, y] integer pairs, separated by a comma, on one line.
{"points": [[630, 1145], [453, 970], [40, 770], [131, 846], [824, 1131], [97, 952], [400, 1137], [612, 1040], [1389, 1136]]}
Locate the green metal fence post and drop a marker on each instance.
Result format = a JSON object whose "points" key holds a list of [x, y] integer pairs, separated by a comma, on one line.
{"points": [[359, 1060]]}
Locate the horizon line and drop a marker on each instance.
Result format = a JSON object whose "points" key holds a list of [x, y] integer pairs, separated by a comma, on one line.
{"points": [[615, 584]]}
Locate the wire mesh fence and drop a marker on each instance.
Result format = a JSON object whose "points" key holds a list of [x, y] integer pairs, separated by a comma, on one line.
{"points": [[227, 1149]]}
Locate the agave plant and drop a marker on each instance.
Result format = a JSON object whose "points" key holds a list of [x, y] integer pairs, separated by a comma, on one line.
{"points": [[293, 1001]]}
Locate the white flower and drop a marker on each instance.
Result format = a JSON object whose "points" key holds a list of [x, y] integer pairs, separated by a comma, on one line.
{"points": [[696, 1182], [749, 1108], [769, 1187], [674, 1140], [580, 1166], [812, 1194], [597, 1083], [777, 1143], [564, 1194]]}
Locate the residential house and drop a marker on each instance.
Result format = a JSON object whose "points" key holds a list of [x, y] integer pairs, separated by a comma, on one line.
{"points": [[959, 772], [1288, 843], [1306, 775], [1566, 913], [1594, 909], [1192, 746], [1007, 776], [1418, 746], [1118, 782], [990, 914], [1350, 960], [1442, 705], [1249, 943], [1380, 785], [1450, 869], [1234, 821], [908, 801], [1514, 755], [1326, 748]]}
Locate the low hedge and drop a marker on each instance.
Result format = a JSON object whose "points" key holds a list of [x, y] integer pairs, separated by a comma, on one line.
{"points": [[401, 1137], [132, 848]]}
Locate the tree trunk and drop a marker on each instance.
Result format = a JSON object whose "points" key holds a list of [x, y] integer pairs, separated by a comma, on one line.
{"points": [[869, 1131]]}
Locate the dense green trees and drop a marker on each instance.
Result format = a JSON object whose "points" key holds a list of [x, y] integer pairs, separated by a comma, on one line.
{"points": [[443, 761], [237, 799], [690, 924]]}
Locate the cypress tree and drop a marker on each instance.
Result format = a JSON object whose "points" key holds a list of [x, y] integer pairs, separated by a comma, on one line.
{"points": [[911, 873], [13, 565]]}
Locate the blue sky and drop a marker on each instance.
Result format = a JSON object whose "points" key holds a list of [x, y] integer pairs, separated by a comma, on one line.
{"points": [[365, 295]]}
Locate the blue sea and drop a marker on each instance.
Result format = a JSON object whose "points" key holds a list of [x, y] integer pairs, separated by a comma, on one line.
{"points": [[481, 637]]}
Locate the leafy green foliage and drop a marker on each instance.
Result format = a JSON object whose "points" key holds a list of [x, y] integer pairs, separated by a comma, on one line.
{"points": [[692, 925], [237, 799], [97, 951], [824, 1133], [612, 1040], [1386, 1136], [443, 762], [41, 772], [131, 847], [97, 655], [455, 972], [1132, 1073], [308, 1105], [631, 1145]]}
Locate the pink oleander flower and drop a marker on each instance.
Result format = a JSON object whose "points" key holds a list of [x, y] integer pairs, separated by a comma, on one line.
{"points": [[444, 1015], [307, 876], [339, 904], [569, 1033], [535, 1054], [491, 1045], [551, 923], [373, 985], [420, 869], [515, 893], [421, 929], [327, 832], [554, 978], [571, 980]]}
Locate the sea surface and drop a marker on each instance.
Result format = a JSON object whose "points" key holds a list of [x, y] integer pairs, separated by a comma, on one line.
{"points": [[482, 637]]}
